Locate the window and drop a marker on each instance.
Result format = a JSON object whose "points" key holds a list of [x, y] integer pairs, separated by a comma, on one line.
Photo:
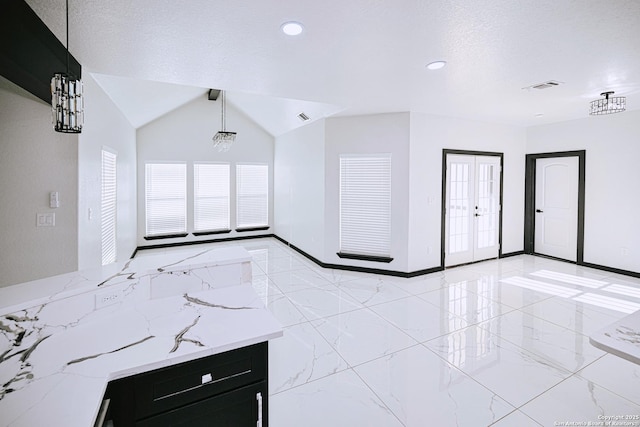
{"points": [[108, 207], [166, 199], [211, 197], [365, 206], [252, 196]]}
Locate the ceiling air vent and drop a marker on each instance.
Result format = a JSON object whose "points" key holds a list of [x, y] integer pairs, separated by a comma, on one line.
{"points": [[303, 117], [545, 85]]}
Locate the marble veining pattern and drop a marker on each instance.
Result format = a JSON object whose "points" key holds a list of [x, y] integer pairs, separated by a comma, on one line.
{"points": [[463, 347], [621, 338], [476, 345], [69, 344]]}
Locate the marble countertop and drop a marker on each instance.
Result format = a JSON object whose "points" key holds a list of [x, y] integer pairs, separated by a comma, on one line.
{"points": [[621, 338], [58, 354], [40, 291]]}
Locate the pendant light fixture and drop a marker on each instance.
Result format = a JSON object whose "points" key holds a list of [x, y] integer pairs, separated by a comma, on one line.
{"points": [[608, 105], [67, 105], [222, 140]]}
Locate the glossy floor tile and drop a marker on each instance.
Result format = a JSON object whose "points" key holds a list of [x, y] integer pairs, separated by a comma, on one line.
{"points": [[502, 342], [342, 399], [422, 389]]}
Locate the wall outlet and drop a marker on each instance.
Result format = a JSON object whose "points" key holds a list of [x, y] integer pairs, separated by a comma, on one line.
{"points": [[108, 297], [46, 219]]}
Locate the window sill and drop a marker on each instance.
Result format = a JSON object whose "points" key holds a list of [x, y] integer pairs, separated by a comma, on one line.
{"points": [[241, 230], [208, 233], [166, 236], [365, 257]]}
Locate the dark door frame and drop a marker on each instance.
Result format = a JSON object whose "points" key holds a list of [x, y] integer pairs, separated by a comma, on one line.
{"points": [[443, 210], [530, 198]]}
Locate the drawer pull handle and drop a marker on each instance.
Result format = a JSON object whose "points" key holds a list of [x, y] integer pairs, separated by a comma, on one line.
{"points": [[259, 399], [207, 378], [166, 396]]}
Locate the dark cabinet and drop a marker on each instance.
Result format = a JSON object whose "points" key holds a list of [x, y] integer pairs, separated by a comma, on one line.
{"points": [[226, 389]]}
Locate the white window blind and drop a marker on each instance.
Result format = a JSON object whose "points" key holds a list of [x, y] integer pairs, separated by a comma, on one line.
{"points": [[165, 198], [252, 195], [108, 207], [211, 196], [365, 205]]}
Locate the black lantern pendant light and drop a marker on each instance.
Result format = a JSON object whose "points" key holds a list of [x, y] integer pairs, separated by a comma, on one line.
{"points": [[608, 105], [67, 104]]}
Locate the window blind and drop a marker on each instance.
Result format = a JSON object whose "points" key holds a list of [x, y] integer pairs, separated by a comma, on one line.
{"points": [[165, 198], [211, 196], [252, 195], [365, 205], [108, 207]]}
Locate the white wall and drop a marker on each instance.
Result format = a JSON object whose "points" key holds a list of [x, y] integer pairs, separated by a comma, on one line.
{"points": [[612, 229], [105, 126], [378, 133], [299, 193], [185, 135], [35, 160], [429, 136], [415, 142]]}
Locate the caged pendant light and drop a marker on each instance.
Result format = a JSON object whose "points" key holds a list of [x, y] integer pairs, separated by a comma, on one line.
{"points": [[67, 105], [608, 105], [222, 140]]}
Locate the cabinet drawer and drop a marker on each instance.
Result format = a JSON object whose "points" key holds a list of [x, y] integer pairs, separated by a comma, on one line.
{"points": [[245, 407], [169, 388]]}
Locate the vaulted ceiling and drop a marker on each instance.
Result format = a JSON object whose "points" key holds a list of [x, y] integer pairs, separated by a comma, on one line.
{"points": [[358, 56]]}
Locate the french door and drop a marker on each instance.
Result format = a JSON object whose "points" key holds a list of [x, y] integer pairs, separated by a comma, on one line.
{"points": [[472, 208]]}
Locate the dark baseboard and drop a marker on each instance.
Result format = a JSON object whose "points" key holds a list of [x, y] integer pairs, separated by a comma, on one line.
{"points": [[510, 254], [367, 269], [197, 242], [356, 268], [611, 269]]}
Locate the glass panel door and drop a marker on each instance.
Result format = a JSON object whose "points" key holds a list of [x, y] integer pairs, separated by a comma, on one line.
{"points": [[472, 208]]}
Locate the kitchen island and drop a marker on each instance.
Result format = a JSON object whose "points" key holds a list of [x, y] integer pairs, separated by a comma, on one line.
{"points": [[621, 338], [59, 352]]}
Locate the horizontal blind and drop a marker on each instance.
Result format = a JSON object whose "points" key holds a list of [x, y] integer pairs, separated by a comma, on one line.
{"points": [[108, 207], [252, 195], [165, 198], [211, 196], [365, 205]]}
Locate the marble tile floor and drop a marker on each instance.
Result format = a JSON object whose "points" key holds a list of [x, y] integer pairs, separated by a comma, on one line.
{"points": [[501, 342]]}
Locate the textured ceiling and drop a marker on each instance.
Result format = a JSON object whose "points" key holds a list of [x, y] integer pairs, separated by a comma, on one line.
{"points": [[367, 56]]}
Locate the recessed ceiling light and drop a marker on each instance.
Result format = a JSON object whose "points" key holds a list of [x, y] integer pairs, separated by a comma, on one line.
{"points": [[436, 65], [291, 28]]}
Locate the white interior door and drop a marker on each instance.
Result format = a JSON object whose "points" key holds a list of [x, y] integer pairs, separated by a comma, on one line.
{"points": [[472, 208], [556, 207]]}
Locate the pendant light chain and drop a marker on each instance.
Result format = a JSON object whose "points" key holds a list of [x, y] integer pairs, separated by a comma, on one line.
{"points": [[224, 122], [67, 10]]}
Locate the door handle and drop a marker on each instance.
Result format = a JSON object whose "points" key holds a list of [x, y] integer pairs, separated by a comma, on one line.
{"points": [[539, 211]]}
